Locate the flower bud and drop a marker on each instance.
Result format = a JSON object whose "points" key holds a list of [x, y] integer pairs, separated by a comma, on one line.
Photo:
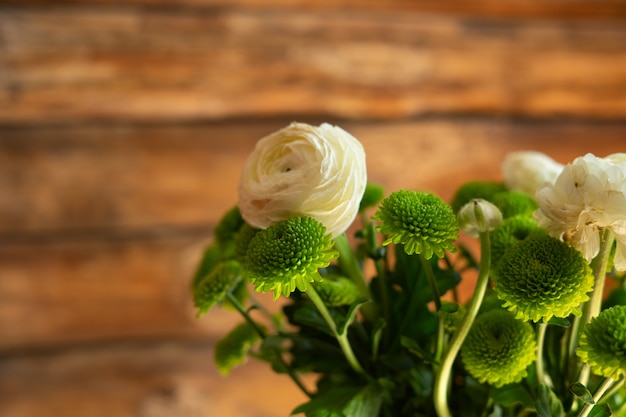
{"points": [[479, 216]]}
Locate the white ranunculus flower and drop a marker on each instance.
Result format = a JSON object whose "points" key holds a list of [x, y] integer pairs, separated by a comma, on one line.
{"points": [[316, 171], [528, 170], [588, 195]]}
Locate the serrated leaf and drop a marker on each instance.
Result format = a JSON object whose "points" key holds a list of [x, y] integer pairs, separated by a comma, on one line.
{"points": [[582, 392], [547, 403]]}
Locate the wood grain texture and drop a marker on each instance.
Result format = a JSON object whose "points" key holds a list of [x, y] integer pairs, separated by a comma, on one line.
{"points": [[140, 380], [118, 216], [518, 9], [69, 64]]}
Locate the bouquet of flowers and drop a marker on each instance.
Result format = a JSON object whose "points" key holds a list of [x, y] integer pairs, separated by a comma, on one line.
{"points": [[375, 312]]}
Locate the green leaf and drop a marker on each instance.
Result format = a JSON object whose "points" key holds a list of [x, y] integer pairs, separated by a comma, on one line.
{"points": [[309, 316], [348, 401], [582, 392], [366, 403], [351, 316], [601, 410], [416, 349], [547, 403], [512, 394]]}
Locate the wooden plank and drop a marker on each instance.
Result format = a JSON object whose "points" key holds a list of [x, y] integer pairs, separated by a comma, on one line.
{"points": [[517, 9], [140, 380], [69, 64], [123, 179], [85, 292]]}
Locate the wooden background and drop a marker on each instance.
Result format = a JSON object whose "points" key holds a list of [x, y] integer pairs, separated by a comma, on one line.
{"points": [[124, 125]]}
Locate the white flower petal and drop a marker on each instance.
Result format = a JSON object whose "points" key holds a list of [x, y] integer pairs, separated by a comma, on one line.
{"points": [[316, 171]]}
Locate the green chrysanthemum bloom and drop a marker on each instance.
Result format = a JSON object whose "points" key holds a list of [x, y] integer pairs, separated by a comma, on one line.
{"points": [[499, 348], [233, 349], [373, 195], [515, 203], [603, 343], [337, 291], [422, 222], [469, 191], [542, 277], [511, 232], [287, 255], [230, 224], [212, 289]]}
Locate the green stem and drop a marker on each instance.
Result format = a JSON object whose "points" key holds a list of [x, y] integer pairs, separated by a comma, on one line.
{"points": [[430, 277], [292, 374], [599, 264], [341, 338], [618, 385], [235, 302], [606, 384], [594, 305], [443, 376], [541, 337]]}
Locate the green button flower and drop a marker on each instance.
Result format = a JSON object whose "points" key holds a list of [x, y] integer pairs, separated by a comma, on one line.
{"points": [[233, 349], [288, 255], [422, 222], [542, 277], [512, 231], [212, 288], [603, 343], [499, 348]]}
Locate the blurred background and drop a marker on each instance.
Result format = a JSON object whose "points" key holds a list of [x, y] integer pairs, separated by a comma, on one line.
{"points": [[124, 126]]}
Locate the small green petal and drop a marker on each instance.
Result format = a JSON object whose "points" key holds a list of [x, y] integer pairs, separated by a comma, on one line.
{"points": [[212, 289], [233, 349], [498, 349], [542, 277], [603, 343], [469, 191], [422, 222], [288, 255]]}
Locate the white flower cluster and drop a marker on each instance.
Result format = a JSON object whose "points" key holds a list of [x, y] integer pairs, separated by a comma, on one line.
{"points": [[316, 171], [586, 196]]}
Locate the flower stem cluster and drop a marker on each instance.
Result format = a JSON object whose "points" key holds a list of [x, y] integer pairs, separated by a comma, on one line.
{"points": [[379, 315]]}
